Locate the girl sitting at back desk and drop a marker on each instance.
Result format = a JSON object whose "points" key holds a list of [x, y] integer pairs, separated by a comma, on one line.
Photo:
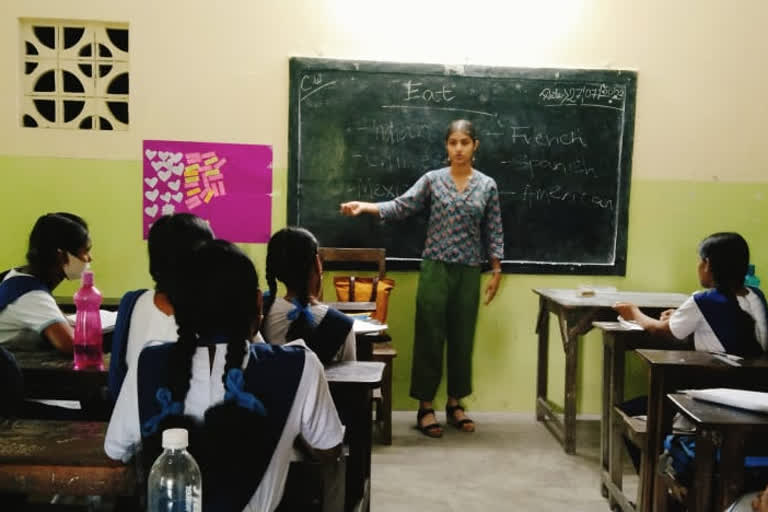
{"points": [[730, 317], [59, 248]]}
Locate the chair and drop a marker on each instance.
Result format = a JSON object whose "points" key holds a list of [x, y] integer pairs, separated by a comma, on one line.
{"points": [[370, 347]]}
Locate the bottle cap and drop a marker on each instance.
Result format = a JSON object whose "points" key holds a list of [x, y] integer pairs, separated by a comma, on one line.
{"points": [[87, 278], [175, 438]]}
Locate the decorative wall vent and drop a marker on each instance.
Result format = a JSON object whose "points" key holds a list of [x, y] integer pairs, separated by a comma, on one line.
{"points": [[75, 74]]}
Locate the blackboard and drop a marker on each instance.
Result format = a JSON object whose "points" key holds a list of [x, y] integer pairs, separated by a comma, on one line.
{"points": [[558, 142]]}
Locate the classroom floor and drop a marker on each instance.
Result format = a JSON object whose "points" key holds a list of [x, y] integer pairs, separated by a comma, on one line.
{"points": [[512, 463]]}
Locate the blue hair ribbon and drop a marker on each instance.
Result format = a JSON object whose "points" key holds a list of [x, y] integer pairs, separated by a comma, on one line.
{"points": [[234, 386], [168, 408], [300, 310]]}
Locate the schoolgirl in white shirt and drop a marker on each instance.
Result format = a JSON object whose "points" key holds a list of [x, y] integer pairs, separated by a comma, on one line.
{"points": [[728, 317], [292, 258], [59, 248], [243, 404]]}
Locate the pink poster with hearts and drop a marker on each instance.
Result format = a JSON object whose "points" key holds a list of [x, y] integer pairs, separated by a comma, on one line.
{"points": [[229, 185]]}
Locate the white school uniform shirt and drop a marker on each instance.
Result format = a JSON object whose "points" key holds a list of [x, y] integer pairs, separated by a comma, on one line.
{"points": [[276, 326], [34, 311], [312, 415], [688, 319], [148, 324]]}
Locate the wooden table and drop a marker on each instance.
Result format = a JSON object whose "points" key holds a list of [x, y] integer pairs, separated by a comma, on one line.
{"points": [[352, 384], [50, 374], [670, 370], [575, 315], [60, 457], [727, 428], [617, 340]]}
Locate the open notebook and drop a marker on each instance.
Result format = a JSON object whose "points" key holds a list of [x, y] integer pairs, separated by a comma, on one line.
{"points": [[108, 319]]}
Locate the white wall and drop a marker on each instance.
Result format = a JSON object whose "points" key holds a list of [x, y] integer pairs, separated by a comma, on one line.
{"points": [[218, 71]]}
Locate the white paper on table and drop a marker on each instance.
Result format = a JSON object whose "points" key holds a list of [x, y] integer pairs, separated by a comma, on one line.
{"points": [[630, 325], [363, 327], [751, 400], [108, 319]]}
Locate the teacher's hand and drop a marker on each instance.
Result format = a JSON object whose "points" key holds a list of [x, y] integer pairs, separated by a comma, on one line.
{"points": [[492, 288], [355, 208]]}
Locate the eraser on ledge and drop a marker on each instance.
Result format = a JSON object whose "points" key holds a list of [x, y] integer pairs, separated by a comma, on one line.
{"points": [[586, 292]]}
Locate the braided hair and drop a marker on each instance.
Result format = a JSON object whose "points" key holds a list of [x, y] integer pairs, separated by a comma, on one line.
{"points": [[221, 303], [291, 257], [728, 258]]}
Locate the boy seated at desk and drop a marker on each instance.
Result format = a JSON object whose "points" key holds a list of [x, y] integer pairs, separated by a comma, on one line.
{"points": [[244, 404], [146, 315], [59, 248], [730, 317]]}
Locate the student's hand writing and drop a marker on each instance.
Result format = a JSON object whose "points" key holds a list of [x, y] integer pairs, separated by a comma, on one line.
{"points": [[627, 310], [492, 288], [666, 314]]}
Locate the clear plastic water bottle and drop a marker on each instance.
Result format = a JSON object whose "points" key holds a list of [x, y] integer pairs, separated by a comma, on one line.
{"points": [[174, 483], [751, 279], [88, 338]]}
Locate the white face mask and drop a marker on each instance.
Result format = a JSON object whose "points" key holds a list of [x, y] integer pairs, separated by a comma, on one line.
{"points": [[74, 267]]}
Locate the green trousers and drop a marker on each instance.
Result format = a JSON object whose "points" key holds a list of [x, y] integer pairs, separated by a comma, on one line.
{"points": [[446, 313]]}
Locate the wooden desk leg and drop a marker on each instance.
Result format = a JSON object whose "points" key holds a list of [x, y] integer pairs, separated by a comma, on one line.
{"points": [[653, 439], [659, 425], [703, 470], [731, 468], [605, 417], [386, 404], [571, 365], [616, 397], [542, 329]]}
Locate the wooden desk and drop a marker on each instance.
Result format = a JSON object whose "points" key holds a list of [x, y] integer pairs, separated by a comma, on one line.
{"points": [[727, 428], [575, 315], [60, 457], [352, 384], [617, 340], [49, 374], [670, 370]]}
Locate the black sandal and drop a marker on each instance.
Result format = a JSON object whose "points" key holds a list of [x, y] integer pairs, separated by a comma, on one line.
{"points": [[450, 410], [433, 429]]}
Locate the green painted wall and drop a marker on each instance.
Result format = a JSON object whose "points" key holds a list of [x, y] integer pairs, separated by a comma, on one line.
{"points": [[667, 219]]}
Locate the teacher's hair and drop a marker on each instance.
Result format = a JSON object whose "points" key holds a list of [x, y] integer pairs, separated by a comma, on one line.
{"points": [[461, 125]]}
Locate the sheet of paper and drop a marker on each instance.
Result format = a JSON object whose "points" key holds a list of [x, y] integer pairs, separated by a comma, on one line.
{"points": [[629, 324], [751, 400], [363, 327], [108, 319]]}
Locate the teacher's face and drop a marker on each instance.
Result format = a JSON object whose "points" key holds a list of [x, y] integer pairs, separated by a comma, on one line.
{"points": [[460, 147]]}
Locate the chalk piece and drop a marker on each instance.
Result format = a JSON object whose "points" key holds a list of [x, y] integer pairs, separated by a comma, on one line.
{"points": [[586, 292]]}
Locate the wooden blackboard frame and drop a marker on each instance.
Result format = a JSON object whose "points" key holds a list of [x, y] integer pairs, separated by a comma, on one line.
{"points": [[299, 65]]}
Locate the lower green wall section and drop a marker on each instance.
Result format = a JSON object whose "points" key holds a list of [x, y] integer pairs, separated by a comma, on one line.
{"points": [[667, 220]]}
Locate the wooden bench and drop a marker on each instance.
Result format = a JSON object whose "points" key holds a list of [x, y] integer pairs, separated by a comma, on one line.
{"points": [[60, 457]]}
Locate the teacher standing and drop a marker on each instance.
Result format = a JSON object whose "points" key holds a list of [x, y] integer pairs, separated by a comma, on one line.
{"points": [[464, 228]]}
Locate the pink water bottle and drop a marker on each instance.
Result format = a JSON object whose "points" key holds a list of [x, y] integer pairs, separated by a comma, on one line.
{"points": [[88, 338]]}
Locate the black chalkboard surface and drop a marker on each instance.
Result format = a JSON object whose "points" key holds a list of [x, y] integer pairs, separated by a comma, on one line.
{"points": [[558, 142]]}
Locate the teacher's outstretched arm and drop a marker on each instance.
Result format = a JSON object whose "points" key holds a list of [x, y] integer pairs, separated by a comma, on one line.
{"points": [[355, 208]]}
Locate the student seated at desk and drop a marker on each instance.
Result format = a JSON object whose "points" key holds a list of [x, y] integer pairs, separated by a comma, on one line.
{"points": [[292, 258], [244, 404], [59, 248], [147, 315], [730, 317]]}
